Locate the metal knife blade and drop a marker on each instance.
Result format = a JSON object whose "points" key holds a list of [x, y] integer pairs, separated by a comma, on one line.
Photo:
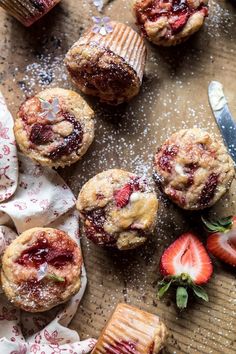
{"points": [[223, 117]]}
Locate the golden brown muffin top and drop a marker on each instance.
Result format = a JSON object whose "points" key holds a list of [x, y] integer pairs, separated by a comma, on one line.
{"points": [[41, 268], [193, 168]]}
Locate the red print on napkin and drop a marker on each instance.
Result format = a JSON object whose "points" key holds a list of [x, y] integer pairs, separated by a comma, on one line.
{"points": [[32, 196]]}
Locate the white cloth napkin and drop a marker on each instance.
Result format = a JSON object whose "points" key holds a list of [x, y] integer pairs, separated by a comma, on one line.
{"points": [[30, 196]]}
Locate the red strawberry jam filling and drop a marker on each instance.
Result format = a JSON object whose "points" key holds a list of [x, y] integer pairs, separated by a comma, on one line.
{"points": [[177, 11], [43, 251], [209, 189], [167, 155], [40, 130], [122, 347], [94, 227], [43, 134]]}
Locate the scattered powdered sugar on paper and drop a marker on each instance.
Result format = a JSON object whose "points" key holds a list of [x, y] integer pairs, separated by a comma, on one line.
{"points": [[219, 20], [46, 70]]}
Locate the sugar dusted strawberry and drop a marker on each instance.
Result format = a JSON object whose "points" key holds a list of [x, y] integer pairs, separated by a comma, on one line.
{"points": [[122, 195], [186, 264], [222, 241]]}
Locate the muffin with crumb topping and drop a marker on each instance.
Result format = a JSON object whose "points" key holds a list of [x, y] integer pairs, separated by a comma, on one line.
{"points": [[118, 209], [193, 169], [54, 128]]}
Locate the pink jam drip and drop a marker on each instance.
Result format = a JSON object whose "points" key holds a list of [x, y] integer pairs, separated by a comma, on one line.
{"points": [[72, 142], [41, 134], [42, 252]]}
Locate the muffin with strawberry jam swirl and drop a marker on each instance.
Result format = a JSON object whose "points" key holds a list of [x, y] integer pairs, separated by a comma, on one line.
{"points": [[118, 209], [193, 169], [54, 128], [169, 22], [41, 269]]}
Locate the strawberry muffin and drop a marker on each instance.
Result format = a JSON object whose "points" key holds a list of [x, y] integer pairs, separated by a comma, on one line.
{"points": [[54, 128], [41, 269], [132, 331], [169, 22], [108, 62], [28, 11], [193, 169], [118, 209]]}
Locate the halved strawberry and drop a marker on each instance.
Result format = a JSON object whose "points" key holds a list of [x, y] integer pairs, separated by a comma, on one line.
{"points": [[222, 242], [185, 263], [122, 195]]}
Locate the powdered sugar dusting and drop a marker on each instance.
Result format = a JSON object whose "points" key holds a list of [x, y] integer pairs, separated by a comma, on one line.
{"points": [[46, 71]]}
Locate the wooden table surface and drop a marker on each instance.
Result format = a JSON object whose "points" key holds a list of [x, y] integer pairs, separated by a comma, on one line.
{"points": [[173, 96]]}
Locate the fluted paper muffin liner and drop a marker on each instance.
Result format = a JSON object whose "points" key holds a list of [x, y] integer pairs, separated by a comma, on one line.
{"points": [[131, 330], [26, 11], [123, 41]]}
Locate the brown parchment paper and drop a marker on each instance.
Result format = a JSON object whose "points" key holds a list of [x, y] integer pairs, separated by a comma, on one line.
{"points": [[173, 96]]}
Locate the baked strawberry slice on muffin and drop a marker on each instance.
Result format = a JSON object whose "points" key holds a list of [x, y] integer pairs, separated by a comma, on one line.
{"points": [[185, 264], [41, 269], [169, 22], [222, 241], [118, 209]]}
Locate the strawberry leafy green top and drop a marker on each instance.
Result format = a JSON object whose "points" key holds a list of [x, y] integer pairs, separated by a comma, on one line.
{"points": [[221, 225], [186, 265], [183, 283]]}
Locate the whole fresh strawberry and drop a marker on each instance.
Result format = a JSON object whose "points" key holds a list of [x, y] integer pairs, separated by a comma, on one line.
{"points": [[185, 264], [222, 241]]}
